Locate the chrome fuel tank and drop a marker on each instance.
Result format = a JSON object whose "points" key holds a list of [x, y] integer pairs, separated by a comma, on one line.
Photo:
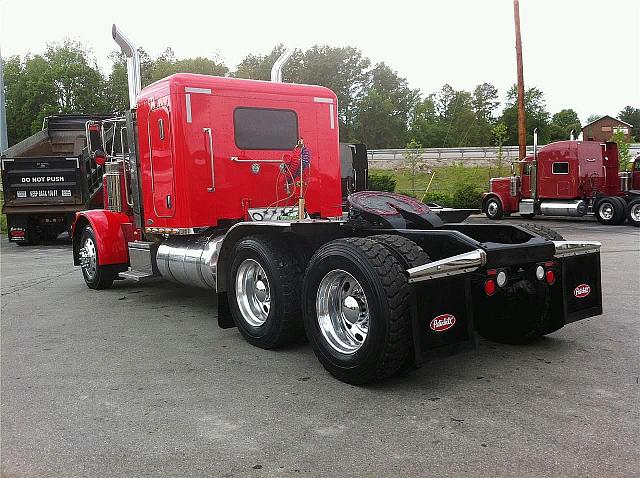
{"points": [[575, 208], [190, 260]]}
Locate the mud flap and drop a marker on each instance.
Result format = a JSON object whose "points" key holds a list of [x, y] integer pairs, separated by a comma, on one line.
{"points": [[442, 318], [579, 293], [225, 319]]}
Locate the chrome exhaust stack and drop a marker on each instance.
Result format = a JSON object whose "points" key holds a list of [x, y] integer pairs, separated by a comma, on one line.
{"points": [[133, 63], [276, 70]]}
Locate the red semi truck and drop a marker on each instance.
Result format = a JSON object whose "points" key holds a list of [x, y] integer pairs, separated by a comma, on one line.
{"points": [[235, 185], [569, 178]]}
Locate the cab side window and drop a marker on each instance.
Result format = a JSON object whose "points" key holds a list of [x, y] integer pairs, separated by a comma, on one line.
{"points": [[560, 168]]}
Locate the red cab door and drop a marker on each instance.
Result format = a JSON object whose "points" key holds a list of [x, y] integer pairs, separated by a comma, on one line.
{"points": [[162, 162]]}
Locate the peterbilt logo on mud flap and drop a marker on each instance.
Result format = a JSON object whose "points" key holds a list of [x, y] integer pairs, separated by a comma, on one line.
{"points": [[442, 322], [582, 291]]}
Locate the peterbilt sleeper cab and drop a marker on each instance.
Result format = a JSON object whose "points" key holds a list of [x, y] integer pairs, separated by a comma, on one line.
{"points": [[235, 186]]}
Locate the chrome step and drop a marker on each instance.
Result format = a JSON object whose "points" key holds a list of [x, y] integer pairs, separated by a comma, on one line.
{"points": [[136, 275]]}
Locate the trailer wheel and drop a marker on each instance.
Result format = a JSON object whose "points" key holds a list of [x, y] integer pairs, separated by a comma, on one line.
{"points": [[609, 211], [264, 292], [493, 208], [517, 314], [95, 275], [633, 212], [356, 310], [543, 231]]}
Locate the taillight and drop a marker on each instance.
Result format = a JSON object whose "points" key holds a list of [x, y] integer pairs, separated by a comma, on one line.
{"points": [[490, 287], [551, 277]]}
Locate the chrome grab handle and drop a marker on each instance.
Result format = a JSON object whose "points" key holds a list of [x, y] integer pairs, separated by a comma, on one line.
{"points": [[238, 160], [213, 175]]}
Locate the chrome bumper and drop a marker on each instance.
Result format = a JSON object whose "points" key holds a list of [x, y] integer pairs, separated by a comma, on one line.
{"points": [[460, 264], [575, 248]]}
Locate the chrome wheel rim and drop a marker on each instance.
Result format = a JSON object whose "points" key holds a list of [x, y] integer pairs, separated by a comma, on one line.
{"points": [[343, 312], [492, 208], [89, 258], [635, 213], [253, 293], [606, 211]]}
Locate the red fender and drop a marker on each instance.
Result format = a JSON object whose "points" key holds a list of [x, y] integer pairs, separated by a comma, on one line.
{"points": [[507, 206], [113, 230]]}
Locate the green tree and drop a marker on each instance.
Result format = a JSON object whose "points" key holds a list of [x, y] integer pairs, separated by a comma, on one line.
{"points": [[624, 153], [562, 123], [383, 113], [631, 115], [413, 160], [485, 101], [592, 118], [458, 116], [65, 79], [499, 133], [535, 113], [425, 125], [167, 64]]}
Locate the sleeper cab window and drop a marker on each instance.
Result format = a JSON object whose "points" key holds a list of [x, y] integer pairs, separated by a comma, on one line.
{"points": [[265, 128], [560, 168]]}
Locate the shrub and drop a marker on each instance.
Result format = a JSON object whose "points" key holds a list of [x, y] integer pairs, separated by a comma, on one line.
{"points": [[382, 182], [466, 196], [439, 198]]}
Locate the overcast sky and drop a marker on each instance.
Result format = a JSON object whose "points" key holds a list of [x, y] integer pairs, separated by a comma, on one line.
{"points": [[584, 54]]}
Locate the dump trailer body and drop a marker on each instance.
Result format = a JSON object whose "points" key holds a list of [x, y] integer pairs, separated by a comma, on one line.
{"points": [[47, 178]]}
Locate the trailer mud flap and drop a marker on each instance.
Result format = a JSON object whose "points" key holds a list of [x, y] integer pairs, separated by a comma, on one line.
{"points": [[580, 293], [442, 318]]}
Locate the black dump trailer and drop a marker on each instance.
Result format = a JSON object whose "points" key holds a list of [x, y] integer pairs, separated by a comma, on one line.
{"points": [[49, 176]]}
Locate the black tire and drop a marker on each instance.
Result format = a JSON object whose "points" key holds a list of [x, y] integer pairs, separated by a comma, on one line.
{"points": [[405, 250], [410, 255], [282, 323], [383, 283], [543, 231], [493, 208], [96, 276], [608, 211], [516, 314], [623, 207], [633, 212]]}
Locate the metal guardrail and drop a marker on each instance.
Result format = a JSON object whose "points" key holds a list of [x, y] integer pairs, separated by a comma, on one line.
{"points": [[460, 154]]}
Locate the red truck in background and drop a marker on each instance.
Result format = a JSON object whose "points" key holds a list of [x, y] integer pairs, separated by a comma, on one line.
{"points": [[569, 178]]}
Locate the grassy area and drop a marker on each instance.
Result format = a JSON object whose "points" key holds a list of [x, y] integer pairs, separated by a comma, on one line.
{"points": [[455, 186], [446, 179]]}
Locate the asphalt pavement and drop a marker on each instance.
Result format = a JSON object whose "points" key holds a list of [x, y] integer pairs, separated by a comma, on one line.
{"points": [[139, 380]]}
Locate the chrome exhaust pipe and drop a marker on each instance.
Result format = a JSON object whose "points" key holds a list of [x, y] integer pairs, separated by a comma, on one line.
{"points": [[133, 63], [276, 70]]}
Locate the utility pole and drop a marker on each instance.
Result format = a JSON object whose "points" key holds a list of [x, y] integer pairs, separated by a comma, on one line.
{"points": [[522, 130], [3, 117]]}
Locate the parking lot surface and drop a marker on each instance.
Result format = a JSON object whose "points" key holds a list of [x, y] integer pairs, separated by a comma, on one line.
{"points": [[139, 380]]}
